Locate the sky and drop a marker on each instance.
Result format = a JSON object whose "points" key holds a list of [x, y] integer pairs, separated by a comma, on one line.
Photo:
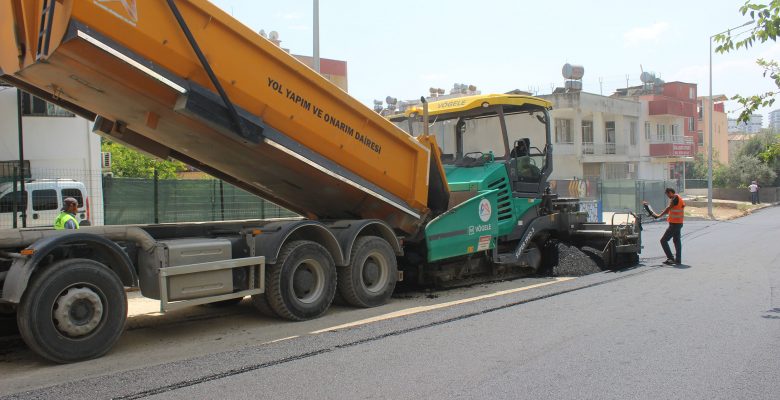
{"points": [[401, 48]]}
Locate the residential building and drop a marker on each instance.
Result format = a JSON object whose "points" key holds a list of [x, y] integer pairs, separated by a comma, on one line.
{"points": [[774, 121], [57, 144], [670, 124], [597, 137], [720, 136], [333, 70], [754, 125]]}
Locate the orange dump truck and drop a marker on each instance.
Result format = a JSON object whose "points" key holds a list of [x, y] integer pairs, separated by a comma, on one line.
{"points": [[185, 80], [181, 79]]}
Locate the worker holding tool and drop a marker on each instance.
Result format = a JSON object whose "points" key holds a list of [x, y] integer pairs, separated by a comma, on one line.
{"points": [[676, 211]]}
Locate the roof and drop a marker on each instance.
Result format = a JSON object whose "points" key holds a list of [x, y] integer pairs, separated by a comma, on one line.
{"points": [[461, 104]]}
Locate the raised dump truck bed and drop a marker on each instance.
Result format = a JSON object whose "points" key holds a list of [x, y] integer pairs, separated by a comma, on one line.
{"points": [[263, 120]]}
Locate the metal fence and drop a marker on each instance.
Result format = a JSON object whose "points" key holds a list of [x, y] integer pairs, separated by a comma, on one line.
{"points": [[617, 195], [628, 194], [105, 200], [116, 201]]}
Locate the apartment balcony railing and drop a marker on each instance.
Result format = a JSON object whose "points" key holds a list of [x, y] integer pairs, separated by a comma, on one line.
{"points": [[603, 149], [677, 139]]}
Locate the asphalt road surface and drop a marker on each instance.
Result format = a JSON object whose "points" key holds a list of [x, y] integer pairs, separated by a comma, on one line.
{"points": [[709, 329]]}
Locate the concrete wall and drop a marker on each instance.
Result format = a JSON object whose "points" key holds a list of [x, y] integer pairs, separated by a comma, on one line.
{"points": [[766, 194], [56, 147]]}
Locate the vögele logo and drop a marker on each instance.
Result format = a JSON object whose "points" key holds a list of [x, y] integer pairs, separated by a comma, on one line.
{"points": [[485, 210]]}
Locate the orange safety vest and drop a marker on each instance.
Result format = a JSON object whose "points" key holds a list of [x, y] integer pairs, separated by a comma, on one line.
{"points": [[676, 213]]}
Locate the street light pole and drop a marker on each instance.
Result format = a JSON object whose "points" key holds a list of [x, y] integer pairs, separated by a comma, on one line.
{"points": [[316, 54], [711, 108]]}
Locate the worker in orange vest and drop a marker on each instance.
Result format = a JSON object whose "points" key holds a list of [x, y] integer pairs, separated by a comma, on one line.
{"points": [[676, 211]]}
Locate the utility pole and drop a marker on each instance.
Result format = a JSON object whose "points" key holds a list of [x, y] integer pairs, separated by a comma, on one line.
{"points": [[22, 172], [316, 54], [711, 109]]}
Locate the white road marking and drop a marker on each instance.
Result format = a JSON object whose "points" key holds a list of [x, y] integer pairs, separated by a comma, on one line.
{"points": [[417, 310]]}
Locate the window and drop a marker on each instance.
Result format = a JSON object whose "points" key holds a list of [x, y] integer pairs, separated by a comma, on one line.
{"points": [[76, 194], [647, 131], [7, 202], [563, 131], [691, 125], [632, 134], [587, 131], [660, 134], [675, 132], [45, 199], [33, 106], [609, 132], [700, 135], [609, 137], [587, 137], [616, 171], [691, 92]]}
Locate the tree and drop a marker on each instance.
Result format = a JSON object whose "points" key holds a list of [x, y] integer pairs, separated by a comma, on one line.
{"points": [[126, 162], [766, 148], [766, 28], [743, 170], [698, 168]]}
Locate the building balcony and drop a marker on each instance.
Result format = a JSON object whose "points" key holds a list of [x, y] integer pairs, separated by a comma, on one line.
{"points": [[671, 107], [603, 149]]}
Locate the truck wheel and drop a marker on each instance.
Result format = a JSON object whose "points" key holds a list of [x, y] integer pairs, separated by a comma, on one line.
{"points": [[369, 279], [302, 283], [261, 304], [73, 310]]}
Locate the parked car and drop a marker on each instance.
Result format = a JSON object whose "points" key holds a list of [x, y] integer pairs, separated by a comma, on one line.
{"points": [[45, 203]]}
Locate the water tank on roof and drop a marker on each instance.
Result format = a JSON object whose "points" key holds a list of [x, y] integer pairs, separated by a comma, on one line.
{"points": [[573, 86], [647, 77], [574, 72]]}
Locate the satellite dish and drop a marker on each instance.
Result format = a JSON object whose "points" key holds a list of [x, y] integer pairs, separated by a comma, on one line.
{"points": [[274, 35], [263, 34]]}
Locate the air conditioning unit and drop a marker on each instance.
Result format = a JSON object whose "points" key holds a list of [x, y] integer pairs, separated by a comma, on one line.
{"points": [[105, 160]]}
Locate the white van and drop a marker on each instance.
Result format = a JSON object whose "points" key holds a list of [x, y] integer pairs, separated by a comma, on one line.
{"points": [[45, 203]]}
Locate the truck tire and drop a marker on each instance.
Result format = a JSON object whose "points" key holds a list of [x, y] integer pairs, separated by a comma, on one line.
{"points": [[261, 304], [73, 310], [370, 277], [302, 283]]}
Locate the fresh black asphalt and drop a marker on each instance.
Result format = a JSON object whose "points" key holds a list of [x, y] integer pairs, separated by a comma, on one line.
{"points": [[708, 329]]}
